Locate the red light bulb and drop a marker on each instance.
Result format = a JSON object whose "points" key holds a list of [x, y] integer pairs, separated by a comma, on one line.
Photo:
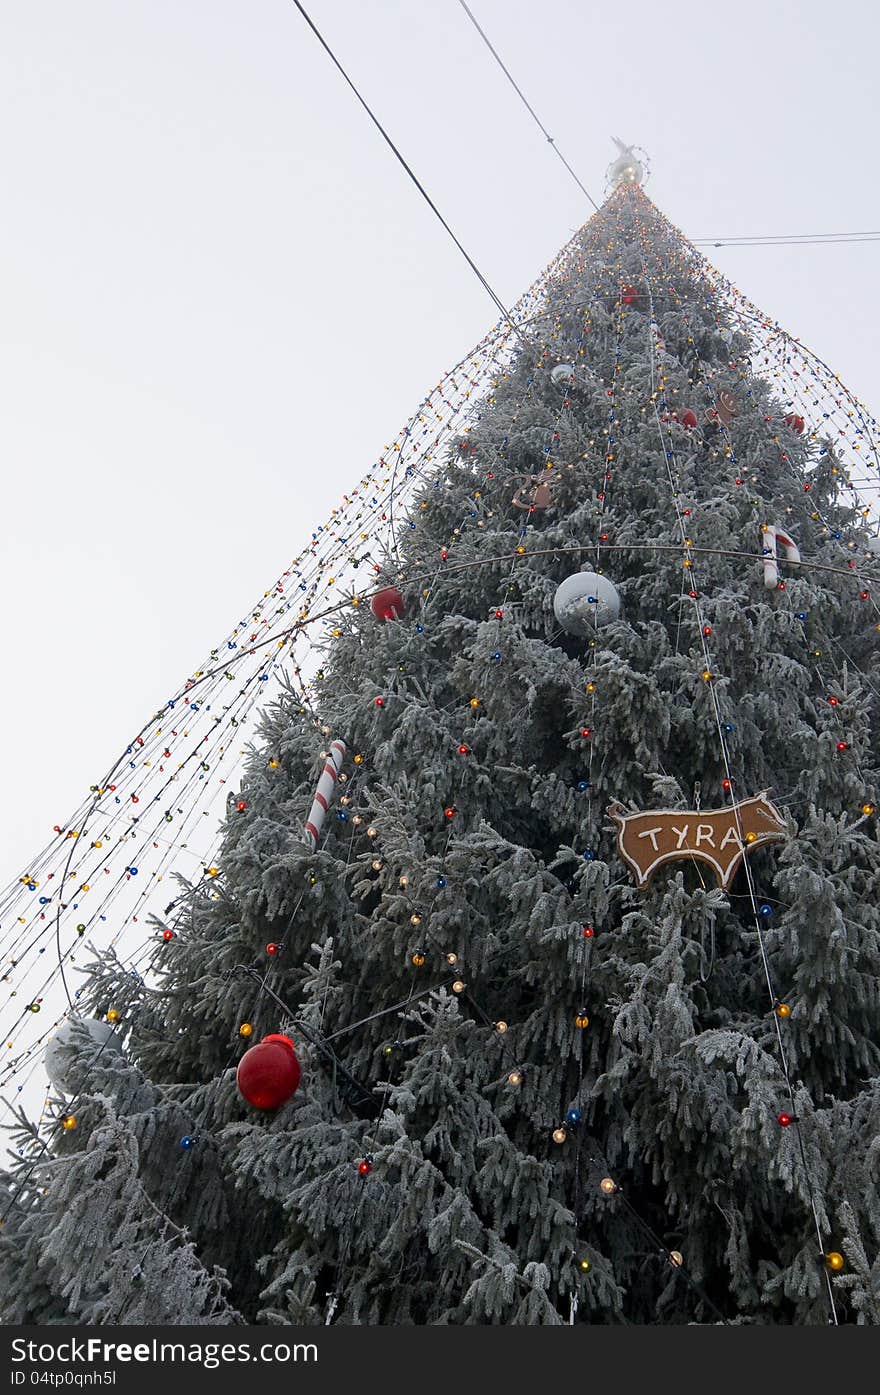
{"points": [[784, 1120], [273, 949]]}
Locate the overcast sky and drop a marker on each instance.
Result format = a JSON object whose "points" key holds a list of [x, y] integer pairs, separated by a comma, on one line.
{"points": [[220, 295]]}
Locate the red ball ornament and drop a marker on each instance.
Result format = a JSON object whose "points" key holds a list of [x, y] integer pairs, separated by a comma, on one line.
{"points": [[387, 604], [689, 419], [268, 1073], [795, 422], [629, 294]]}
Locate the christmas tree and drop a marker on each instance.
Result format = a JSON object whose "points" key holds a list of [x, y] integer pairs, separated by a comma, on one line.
{"points": [[532, 1064]]}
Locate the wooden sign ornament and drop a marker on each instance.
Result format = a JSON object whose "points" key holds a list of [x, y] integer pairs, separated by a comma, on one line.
{"points": [[721, 837]]}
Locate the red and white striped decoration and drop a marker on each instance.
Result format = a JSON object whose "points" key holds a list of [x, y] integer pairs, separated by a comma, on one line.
{"points": [[772, 538], [324, 793]]}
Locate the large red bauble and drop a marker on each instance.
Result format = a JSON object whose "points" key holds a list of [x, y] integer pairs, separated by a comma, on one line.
{"points": [[795, 422], [688, 419], [629, 295], [269, 1072], [387, 604]]}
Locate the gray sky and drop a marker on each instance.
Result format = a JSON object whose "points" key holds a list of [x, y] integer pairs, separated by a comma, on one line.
{"points": [[221, 296]]}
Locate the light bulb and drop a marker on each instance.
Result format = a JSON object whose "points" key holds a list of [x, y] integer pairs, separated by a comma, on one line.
{"points": [[608, 1186]]}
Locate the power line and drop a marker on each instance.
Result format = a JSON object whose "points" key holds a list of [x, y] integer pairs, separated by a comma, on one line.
{"points": [[421, 188], [534, 115], [786, 240]]}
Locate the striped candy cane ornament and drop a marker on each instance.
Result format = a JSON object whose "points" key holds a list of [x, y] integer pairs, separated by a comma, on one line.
{"points": [[324, 793], [770, 537]]}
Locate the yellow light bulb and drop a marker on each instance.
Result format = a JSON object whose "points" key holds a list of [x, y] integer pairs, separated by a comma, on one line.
{"points": [[559, 1135], [608, 1185], [69, 1123], [245, 1030], [514, 1078], [835, 1261], [501, 1028]]}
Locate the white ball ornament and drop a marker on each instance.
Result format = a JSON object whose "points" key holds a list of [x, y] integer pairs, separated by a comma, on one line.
{"points": [[562, 374], [585, 600], [67, 1071]]}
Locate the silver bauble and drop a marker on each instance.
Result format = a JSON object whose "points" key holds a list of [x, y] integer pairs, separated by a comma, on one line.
{"points": [[585, 600], [562, 374], [68, 1068]]}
